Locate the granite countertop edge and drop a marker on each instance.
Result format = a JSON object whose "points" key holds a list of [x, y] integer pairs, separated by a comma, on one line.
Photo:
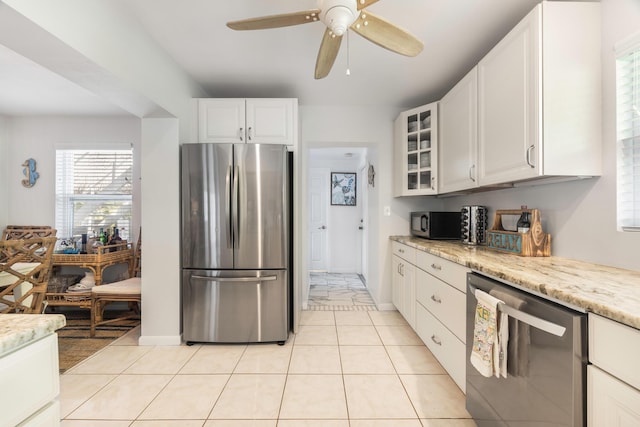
{"points": [[608, 291], [16, 330]]}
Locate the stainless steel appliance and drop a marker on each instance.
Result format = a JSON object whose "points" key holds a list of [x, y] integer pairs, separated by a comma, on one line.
{"points": [[235, 235], [474, 225], [546, 363], [435, 225]]}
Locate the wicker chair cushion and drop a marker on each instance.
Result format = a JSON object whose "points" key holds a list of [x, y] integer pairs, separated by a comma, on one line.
{"points": [[7, 278], [129, 286]]}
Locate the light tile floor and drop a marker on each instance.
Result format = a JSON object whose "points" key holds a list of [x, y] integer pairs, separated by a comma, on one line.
{"points": [[338, 291], [343, 369]]}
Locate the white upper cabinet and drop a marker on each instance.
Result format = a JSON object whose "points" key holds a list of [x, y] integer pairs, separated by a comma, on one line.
{"points": [[253, 120], [458, 136], [416, 151], [539, 97]]}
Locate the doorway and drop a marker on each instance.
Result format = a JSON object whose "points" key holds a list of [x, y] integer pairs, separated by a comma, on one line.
{"points": [[336, 231]]}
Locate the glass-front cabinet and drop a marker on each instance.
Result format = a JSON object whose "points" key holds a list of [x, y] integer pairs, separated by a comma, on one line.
{"points": [[415, 151]]}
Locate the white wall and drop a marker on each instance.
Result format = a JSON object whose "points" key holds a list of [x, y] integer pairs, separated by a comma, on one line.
{"points": [[4, 171], [37, 137], [581, 216]]}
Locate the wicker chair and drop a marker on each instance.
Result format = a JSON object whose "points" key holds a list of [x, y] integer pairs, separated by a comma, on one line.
{"points": [[25, 268], [128, 290]]}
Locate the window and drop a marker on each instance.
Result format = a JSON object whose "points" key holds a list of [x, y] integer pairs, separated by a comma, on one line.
{"points": [[628, 133], [93, 191]]}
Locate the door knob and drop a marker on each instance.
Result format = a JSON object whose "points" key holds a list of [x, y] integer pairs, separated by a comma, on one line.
{"points": [[324, 227], [360, 228]]}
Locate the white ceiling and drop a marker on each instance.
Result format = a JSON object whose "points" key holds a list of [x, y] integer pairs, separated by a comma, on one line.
{"points": [[280, 62]]}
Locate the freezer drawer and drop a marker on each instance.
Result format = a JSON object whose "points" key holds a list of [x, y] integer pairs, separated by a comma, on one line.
{"points": [[235, 306]]}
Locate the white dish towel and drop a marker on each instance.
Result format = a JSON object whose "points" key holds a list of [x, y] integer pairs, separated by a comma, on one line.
{"points": [[490, 336]]}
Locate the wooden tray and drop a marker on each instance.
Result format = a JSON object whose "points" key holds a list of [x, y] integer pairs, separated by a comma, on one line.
{"points": [[533, 243]]}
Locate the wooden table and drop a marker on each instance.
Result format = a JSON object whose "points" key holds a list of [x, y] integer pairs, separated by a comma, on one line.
{"points": [[105, 256]]}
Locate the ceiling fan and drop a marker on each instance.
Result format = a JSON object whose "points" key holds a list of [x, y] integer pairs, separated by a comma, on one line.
{"points": [[339, 16]]}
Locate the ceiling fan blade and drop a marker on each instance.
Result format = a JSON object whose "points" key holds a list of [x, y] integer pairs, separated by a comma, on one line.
{"points": [[365, 3], [276, 21], [386, 34], [327, 54]]}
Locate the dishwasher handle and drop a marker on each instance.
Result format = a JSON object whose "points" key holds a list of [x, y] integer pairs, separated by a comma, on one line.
{"points": [[527, 318]]}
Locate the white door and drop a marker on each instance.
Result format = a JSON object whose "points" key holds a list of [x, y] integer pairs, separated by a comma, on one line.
{"points": [[318, 201]]}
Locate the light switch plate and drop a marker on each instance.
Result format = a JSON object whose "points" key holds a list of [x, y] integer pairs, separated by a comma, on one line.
{"points": [[387, 211]]}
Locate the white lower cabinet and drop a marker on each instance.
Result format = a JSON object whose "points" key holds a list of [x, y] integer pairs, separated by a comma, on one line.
{"points": [[403, 289], [429, 292], [611, 402], [613, 378], [444, 345], [32, 381]]}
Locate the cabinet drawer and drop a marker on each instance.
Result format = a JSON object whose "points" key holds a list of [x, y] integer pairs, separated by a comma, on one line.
{"points": [[614, 347], [405, 252], [445, 270], [445, 302], [448, 349], [610, 402]]}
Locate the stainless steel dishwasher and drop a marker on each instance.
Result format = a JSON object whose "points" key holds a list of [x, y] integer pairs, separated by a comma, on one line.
{"points": [[546, 362]]}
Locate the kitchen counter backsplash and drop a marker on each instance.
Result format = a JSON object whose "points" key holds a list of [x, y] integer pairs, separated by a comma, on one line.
{"points": [[608, 291]]}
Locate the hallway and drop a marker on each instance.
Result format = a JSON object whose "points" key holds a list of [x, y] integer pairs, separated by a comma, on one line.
{"points": [[338, 292]]}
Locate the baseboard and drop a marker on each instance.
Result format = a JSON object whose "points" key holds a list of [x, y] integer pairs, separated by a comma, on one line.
{"points": [[160, 340], [386, 307]]}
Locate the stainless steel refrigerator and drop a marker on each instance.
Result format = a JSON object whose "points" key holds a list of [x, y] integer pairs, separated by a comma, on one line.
{"points": [[235, 235]]}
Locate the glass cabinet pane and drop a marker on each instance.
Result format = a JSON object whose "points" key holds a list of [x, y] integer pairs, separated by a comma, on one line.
{"points": [[425, 160], [412, 161], [425, 140], [412, 143], [425, 180], [412, 181], [412, 123], [425, 120]]}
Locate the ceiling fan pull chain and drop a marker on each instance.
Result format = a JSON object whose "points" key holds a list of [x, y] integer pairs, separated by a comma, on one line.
{"points": [[348, 50]]}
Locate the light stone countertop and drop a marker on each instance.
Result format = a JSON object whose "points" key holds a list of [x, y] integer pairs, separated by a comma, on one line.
{"points": [[608, 291], [19, 329]]}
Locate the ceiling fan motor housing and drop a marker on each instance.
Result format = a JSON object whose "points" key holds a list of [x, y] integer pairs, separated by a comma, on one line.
{"points": [[338, 15]]}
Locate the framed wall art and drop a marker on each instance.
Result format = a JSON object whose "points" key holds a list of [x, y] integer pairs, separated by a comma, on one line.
{"points": [[343, 188]]}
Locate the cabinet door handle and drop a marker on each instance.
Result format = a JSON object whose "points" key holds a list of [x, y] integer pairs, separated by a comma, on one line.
{"points": [[402, 270], [240, 133], [436, 340], [433, 182], [401, 251], [249, 133], [471, 169], [436, 267], [529, 151], [436, 299]]}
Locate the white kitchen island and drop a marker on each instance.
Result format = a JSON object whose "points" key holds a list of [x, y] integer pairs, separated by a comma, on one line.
{"points": [[29, 377]]}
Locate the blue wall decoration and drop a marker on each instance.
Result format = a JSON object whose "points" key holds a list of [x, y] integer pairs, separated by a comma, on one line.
{"points": [[30, 173]]}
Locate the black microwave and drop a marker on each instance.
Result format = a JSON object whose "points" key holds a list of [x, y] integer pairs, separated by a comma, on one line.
{"points": [[436, 225]]}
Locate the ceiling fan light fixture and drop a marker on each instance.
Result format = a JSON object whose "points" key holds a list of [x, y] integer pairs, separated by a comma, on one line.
{"points": [[339, 19]]}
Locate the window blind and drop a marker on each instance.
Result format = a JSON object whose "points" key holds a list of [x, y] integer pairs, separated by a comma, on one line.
{"points": [[93, 191], [628, 137]]}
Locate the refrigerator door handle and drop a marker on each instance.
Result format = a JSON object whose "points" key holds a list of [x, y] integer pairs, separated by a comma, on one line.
{"points": [[236, 207], [228, 207], [235, 279]]}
